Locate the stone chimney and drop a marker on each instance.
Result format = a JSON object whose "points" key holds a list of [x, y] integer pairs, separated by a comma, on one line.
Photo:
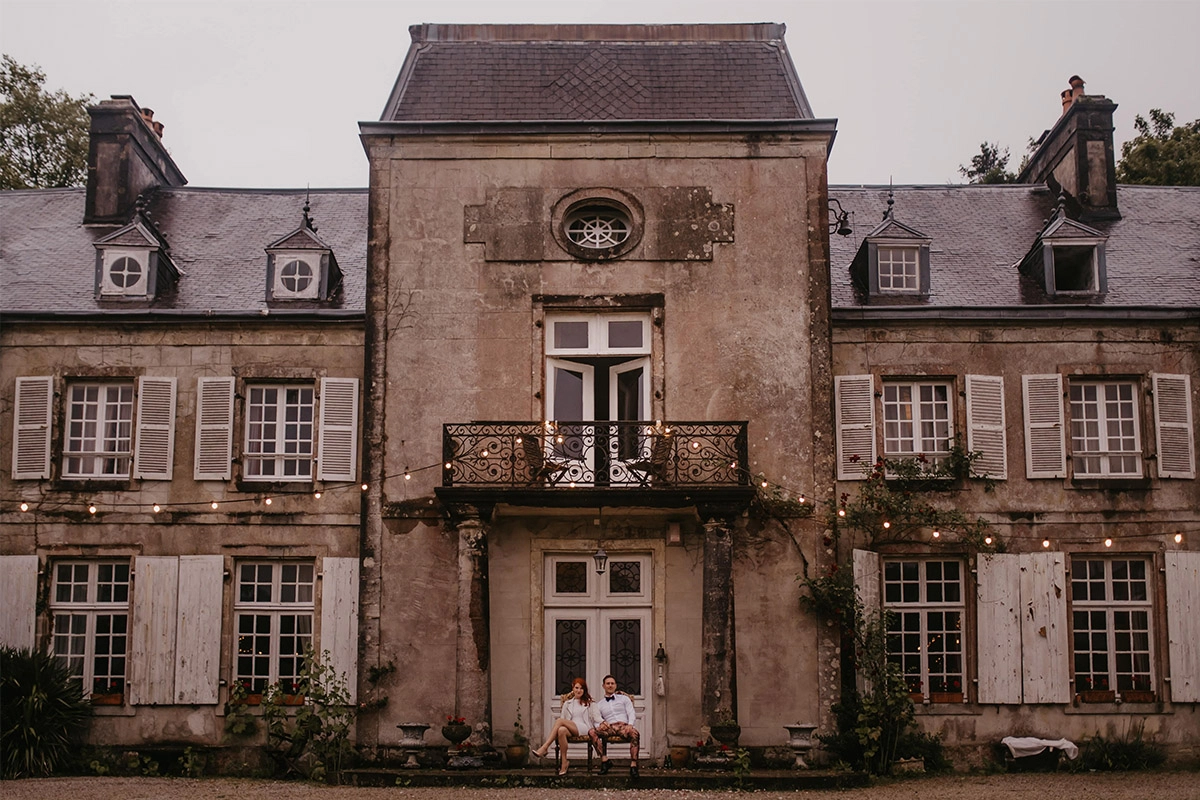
{"points": [[1076, 156], [126, 157]]}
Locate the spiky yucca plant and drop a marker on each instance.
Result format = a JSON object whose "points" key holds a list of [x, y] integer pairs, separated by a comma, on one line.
{"points": [[44, 713]]}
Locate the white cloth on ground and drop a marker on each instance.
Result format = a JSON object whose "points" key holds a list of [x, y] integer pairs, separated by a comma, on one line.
{"points": [[1021, 746]]}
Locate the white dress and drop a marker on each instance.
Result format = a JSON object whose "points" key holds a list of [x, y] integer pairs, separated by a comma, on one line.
{"points": [[584, 717]]}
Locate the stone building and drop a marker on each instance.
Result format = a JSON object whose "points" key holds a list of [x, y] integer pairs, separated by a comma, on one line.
{"points": [[576, 387], [181, 375]]}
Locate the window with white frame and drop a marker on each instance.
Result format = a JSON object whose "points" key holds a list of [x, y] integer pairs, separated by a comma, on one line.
{"points": [[274, 623], [917, 419], [279, 433], [99, 436], [925, 626], [899, 269], [89, 607], [1110, 624], [1104, 429]]}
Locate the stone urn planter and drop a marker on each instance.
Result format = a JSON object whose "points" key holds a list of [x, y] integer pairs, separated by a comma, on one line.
{"points": [[515, 755], [681, 755], [456, 732], [412, 739], [726, 733], [800, 740]]}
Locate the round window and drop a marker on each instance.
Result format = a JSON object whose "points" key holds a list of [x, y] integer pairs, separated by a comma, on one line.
{"points": [[125, 272], [597, 227], [296, 276], [597, 224]]}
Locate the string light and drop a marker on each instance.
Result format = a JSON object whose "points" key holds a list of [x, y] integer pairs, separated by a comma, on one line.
{"points": [[156, 508], [1108, 542], [886, 524], [1046, 543], [365, 487], [317, 495], [91, 509], [802, 498], [484, 452], [937, 534], [267, 501], [215, 506], [25, 507], [841, 512], [987, 540], [1178, 538], [448, 465], [764, 484]]}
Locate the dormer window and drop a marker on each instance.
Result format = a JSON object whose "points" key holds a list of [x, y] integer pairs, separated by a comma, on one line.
{"points": [[1067, 258], [1075, 269], [898, 268], [302, 267], [134, 262], [296, 279], [124, 273]]}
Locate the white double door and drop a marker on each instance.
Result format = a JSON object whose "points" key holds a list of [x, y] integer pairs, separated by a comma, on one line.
{"points": [[594, 642], [621, 395]]}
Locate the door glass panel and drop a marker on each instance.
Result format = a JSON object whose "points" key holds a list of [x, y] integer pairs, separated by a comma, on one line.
{"points": [[625, 643], [630, 391], [568, 394], [625, 334], [570, 652], [625, 577], [570, 577], [571, 335]]}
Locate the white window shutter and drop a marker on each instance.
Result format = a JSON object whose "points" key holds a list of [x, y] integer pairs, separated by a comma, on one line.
{"points": [[855, 422], [154, 453], [1045, 433], [34, 403], [339, 619], [1183, 625], [1173, 426], [985, 426], [337, 448], [1045, 639], [214, 429], [866, 567], [998, 584], [198, 629], [18, 598], [152, 630]]}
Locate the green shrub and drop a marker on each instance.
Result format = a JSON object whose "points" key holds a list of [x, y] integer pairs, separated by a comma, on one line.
{"points": [[1121, 753], [927, 746], [44, 713]]}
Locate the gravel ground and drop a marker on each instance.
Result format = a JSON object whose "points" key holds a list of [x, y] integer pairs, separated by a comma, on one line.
{"points": [[1106, 786]]}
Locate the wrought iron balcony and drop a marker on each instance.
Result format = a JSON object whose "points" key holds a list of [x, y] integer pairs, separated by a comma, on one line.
{"points": [[598, 455]]}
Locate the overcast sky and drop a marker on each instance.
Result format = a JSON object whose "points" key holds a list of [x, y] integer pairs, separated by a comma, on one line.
{"points": [[269, 94]]}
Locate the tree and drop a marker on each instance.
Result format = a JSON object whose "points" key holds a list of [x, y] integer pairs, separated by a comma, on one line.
{"points": [[1164, 156], [43, 135], [990, 166]]}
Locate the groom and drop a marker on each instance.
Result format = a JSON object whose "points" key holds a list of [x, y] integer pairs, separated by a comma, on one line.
{"points": [[616, 711]]}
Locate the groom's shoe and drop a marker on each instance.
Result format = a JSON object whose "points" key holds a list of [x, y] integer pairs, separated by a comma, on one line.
{"points": [[605, 766]]}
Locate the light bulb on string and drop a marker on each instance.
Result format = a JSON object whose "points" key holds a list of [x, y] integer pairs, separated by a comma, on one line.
{"points": [[408, 475], [1178, 538], [484, 452], [1046, 543], [1108, 542], [317, 495], [25, 507], [764, 484], [156, 508], [801, 499], [267, 501], [91, 509], [937, 534], [365, 487], [886, 525], [987, 540], [447, 465], [841, 512], [214, 505]]}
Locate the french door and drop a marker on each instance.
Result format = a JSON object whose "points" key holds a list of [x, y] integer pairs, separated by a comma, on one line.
{"points": [[597, 625]]}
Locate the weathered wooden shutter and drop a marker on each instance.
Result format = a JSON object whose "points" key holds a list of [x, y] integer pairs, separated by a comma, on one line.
{"points": [[1045, 434], [854, 407], [198, 629], [337, 450], [18, 598], [866, 566], [339, 619], [154, 453], [985, 425], [1183, 625], [1045, 637], [31, 428], [1173, 425], [998, 586], [152, 630], [214, 429]]}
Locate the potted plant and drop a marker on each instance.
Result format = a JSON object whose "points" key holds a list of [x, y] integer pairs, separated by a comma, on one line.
{"points": [[726, 729], [456, 729], [517, 753]]}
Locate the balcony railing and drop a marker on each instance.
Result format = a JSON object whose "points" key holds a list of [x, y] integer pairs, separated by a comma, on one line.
{"points": [[566, 455]]}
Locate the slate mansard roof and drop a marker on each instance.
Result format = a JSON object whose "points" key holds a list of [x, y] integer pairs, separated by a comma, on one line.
{"points": [[597, 72], [980, 234], [217, 238]]}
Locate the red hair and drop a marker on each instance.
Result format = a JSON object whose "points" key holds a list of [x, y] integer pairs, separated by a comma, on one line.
{"points": [[586, 698]]}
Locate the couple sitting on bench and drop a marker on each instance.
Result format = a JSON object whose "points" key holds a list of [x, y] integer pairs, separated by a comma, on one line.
{"points": [[596, 722]]}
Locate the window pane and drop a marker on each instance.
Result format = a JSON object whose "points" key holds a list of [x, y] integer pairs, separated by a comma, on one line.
{"points": [[570, 577], [625, 577], [571, 336], [625, 646], [625, 333], [570, 652]]}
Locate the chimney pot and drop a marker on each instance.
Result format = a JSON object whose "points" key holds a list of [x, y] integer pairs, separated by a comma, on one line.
{"points": [[158, 128]]}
